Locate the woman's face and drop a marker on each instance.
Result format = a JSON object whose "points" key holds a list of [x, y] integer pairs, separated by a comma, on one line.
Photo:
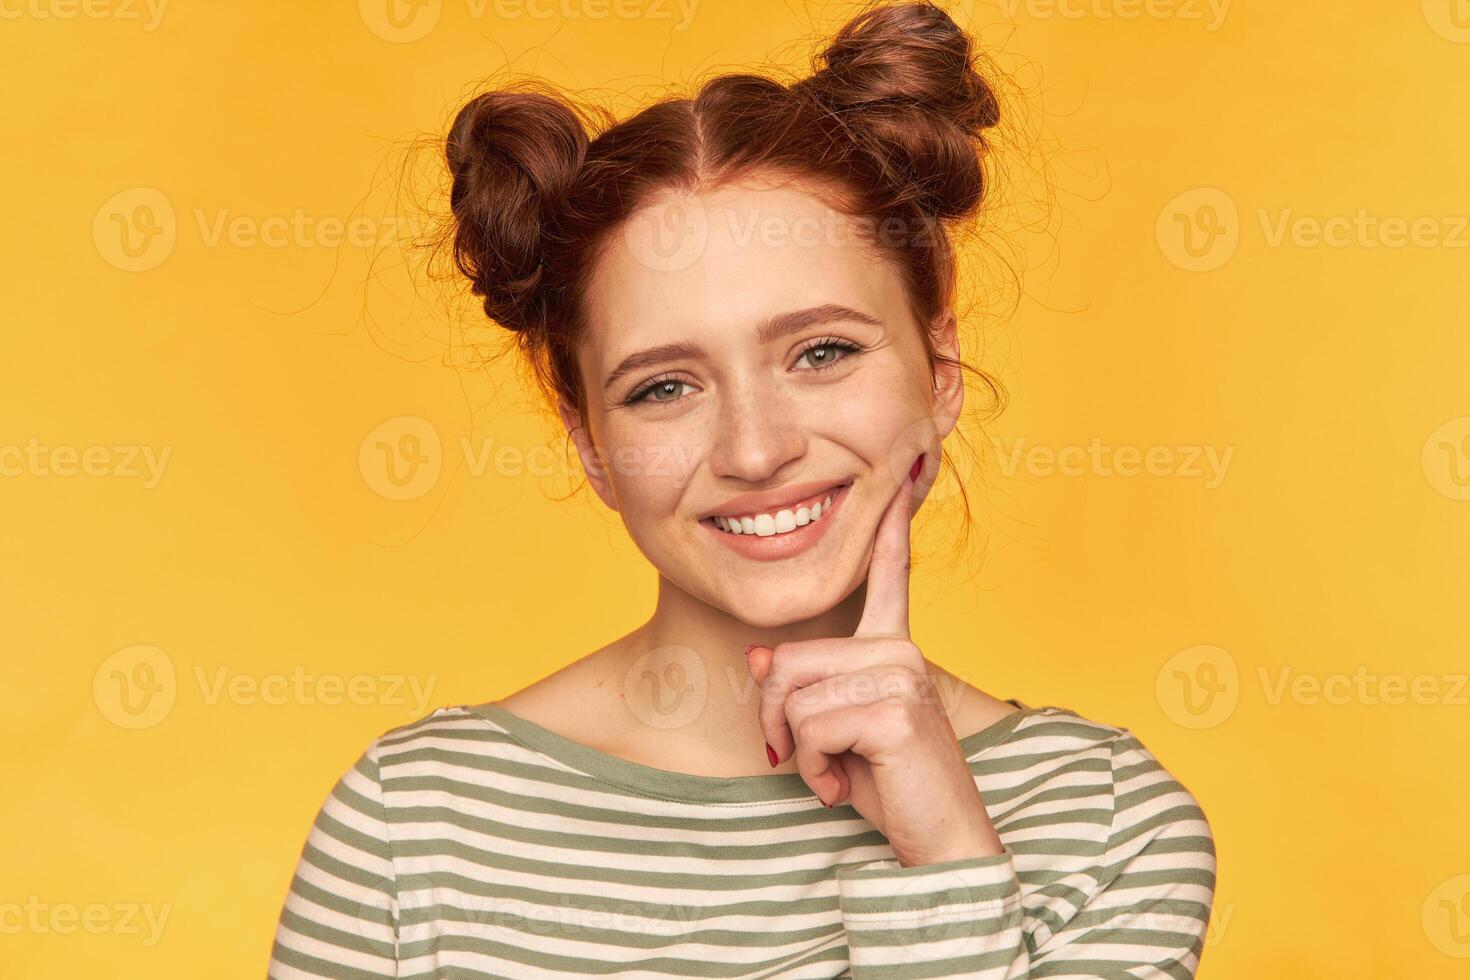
{"points": [[746, 355]]}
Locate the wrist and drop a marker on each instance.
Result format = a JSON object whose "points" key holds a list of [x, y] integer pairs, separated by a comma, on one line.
{"points": [[984, 843]]}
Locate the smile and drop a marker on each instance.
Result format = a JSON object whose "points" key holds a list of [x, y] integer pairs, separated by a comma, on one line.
{"points": [[779, 533]]}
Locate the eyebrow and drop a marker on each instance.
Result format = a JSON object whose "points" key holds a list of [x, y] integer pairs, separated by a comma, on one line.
{"points": [[770, 329]]}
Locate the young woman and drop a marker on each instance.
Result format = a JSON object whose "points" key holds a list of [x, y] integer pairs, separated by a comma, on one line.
{"points": [[768, 778]]}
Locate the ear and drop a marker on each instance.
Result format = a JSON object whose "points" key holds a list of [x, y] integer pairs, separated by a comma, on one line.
{"points": [[590, 454], [949, 381]]}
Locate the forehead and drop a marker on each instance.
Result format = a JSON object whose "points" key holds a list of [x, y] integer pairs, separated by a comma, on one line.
{"points": [[720, 261]]}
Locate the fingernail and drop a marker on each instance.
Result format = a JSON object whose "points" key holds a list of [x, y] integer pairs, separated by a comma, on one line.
{"points": [[917, 468], [771, 754], [750, 648]]}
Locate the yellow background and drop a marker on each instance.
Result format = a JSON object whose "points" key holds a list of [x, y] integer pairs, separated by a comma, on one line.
{"points": [[1333, 548]]}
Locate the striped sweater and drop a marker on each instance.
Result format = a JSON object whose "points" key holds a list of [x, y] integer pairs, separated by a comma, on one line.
{"points": [[475, 843]]}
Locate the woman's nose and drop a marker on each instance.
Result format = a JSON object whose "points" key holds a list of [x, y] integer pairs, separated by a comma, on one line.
{"points": [[755, 436]]}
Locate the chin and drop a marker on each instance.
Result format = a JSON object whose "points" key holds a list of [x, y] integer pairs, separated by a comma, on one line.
{"points": [[773, 621], [779, 611]]}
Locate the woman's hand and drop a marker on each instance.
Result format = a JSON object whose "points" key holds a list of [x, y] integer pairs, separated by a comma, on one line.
{"points": [[863, 716]]}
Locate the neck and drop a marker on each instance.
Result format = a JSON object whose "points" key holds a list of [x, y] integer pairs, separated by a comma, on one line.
{"points": [[684, 679]]}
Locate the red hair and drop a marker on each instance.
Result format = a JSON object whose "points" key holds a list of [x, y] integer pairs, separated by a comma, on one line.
{"points": [[889, 127]]}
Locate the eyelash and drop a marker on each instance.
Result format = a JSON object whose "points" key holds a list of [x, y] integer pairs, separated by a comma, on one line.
{"points": [[847, 347]]}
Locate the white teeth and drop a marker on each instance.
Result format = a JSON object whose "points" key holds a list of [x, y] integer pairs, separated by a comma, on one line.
{"points": [[780, 522]]}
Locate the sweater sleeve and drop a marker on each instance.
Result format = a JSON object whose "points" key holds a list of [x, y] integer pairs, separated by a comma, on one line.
{"points": [[957, 918], [1144, 920], [340, 917], [1148, 916]]}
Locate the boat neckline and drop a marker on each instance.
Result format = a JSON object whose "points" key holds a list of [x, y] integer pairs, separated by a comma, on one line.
{"points": [[693, 787]]}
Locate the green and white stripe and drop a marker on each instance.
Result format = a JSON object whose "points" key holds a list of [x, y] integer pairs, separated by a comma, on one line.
{"points": [[474, 843]]}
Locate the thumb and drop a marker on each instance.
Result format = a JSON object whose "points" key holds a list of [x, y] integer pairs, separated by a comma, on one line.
{"points": [[758, 661]]}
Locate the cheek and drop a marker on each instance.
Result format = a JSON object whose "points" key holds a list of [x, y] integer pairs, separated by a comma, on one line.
{"points": [[650, 465], [875, 412]]}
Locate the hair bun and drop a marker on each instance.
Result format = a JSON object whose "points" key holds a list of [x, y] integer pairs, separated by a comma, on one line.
{"points": [[513, 156], [902, 84]]}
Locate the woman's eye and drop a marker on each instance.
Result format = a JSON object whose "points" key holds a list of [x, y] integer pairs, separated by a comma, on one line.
{"points": [[819, 356], [824, 355], [655, 391]]}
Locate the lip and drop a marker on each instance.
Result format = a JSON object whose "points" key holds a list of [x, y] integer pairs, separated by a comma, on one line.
{"points": [[771, 501], [775, 547]]}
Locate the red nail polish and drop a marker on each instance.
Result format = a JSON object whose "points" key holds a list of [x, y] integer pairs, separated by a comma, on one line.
{"points": [[771, 754], [916, 468]]}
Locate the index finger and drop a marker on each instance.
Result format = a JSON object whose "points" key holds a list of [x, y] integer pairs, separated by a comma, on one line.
{"points": [[886, 605]]}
